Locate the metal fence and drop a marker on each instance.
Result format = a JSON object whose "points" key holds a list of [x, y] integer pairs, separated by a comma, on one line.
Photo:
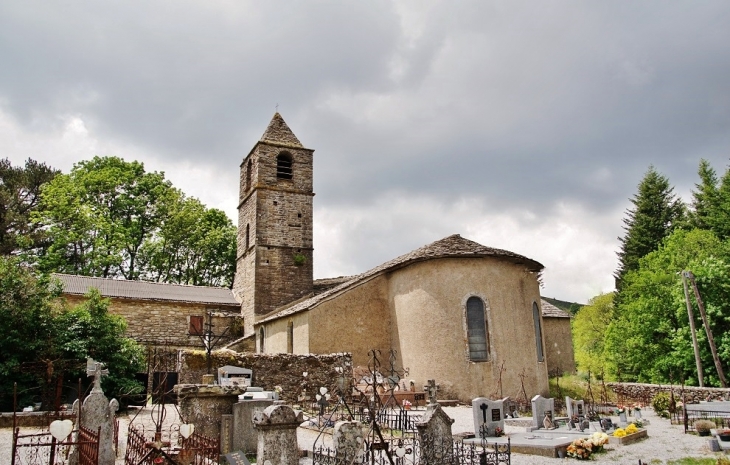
{"points": [[44, 449]]}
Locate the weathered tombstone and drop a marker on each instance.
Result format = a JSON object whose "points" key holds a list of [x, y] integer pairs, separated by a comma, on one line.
{"points": [[347, 441], [205, 404], [575, 408], [436, 439], [245, 437], [488, 415], [431, 389], [226, 442], [97, 412], [277, 431], [542, 407]]}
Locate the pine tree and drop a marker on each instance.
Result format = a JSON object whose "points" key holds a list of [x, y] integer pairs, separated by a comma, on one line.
{"points": [[655, 214], [705, 200]]}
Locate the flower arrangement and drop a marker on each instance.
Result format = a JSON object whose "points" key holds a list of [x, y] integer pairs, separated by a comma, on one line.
{"points": [[580, 449], [406, 404], [619, 433], [621, 409], [631, 429], [637, 407], [599, 440], [498, 432], [638, 423]]}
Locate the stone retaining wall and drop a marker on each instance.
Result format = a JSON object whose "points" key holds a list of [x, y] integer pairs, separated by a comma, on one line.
{"points": [[691, 394], [270, 370]]}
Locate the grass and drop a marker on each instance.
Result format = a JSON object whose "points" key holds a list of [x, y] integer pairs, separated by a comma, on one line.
{"points": [[576, 387], [693, 461]]}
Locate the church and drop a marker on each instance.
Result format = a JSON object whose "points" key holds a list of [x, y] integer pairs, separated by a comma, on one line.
{"points": [[456, 311], [467, 315]]}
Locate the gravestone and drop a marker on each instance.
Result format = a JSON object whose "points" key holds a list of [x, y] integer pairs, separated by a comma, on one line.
{"points": [[542, 407], [97, 412], [575, 408], [431, 389], [348, 442], [434, 432], [277, 432], [488, 415], [245, 437]]}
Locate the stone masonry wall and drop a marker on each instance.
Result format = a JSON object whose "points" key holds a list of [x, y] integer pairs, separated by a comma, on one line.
{"points": [[270, 370], [163, 322], [558, 345], [691, 394]]}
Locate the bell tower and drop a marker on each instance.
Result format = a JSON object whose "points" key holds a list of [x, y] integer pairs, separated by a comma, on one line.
{"points": [[274, 249]]}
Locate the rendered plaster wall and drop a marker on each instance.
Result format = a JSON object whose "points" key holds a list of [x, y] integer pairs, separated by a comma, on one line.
{"points": [[558, 345], [163, 322], [428, 306], [277, 338], [355, 322]]}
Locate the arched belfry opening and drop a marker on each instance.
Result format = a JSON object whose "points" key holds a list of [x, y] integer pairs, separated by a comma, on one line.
{"points": [[284, 163]]}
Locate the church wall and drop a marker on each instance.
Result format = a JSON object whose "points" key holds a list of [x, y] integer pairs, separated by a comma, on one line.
{"points": [[355, 322], [559, 345], [428, 301], [277, 335]]}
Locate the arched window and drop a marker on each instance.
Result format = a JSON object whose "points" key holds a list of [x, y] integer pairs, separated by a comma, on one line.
{"points": [[284, 166], [476, 324], [538, 331], [248, 175], [261, 340], [290, 338]]}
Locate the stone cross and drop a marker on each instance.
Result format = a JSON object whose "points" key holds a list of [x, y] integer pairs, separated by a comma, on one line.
{"points": [[97, 370], [431, 388]]}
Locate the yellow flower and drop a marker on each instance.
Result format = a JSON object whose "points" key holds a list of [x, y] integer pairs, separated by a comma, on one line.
{"points": [[631, 429], [619, 433]]}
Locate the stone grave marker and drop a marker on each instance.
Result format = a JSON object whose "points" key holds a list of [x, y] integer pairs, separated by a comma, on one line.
{"points": [[575, 408], [434, 432], [277, 431], [542, 408], [348, 442], [488, 415]]}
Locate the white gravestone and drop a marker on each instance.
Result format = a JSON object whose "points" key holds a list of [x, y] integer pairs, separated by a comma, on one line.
{"points": [[540, 408], [488, 415]]}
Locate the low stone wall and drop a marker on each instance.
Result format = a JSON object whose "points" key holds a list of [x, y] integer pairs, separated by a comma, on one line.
{"points": [[691, 394], [270, 370], [40, 419]]}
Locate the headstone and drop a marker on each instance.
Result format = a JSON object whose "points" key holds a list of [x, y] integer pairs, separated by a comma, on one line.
{"points": [[488, 415], [204, 405], [230, 375], [596, 426], [431, 389], [434, 432], [97, 412], [348, 442], [245, 436], [277, 435], [575, 408], [540, 407], [237, 458]]}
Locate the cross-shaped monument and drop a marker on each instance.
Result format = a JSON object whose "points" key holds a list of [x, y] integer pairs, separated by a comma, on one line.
{"points": [[484, 408], [97, 370], [431, 389]]}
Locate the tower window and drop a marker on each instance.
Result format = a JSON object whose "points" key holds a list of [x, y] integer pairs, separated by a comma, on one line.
{"points": [[477, 330], [248, 233], [284, 166], [248, 175]]}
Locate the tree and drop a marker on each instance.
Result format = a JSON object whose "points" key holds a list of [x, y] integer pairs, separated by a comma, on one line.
{"points": [[42, 341], [589, 330], [655, 214], [705, 200], [19, 196], [649, 337]]}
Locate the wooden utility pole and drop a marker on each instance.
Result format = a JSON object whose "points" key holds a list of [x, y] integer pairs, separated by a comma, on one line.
{"points": [[711, 339], [700, 378]]}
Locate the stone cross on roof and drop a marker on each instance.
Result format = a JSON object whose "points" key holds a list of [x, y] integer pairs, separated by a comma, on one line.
{"points": [[431, 388], [97, 370]]}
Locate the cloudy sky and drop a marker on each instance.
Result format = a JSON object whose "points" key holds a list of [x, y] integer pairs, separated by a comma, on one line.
{"points": [[520, 125]]}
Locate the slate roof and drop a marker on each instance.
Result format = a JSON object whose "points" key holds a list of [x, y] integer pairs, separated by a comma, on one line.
{"points": [[551, 311], [145, 290], [453, 246], [279, 133]]}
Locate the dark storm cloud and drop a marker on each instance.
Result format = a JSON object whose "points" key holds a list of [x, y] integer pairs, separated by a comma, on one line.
{"points": [[520, 106]]}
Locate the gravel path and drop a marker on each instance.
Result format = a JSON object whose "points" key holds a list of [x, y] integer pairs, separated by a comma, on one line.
{"points": [[665, 442]]}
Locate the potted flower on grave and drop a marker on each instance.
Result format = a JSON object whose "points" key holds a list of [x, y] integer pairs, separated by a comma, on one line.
{"points": [[619, 433], [703, 427], [723, 434], [580, 449], [406, 404], [498, 432]]}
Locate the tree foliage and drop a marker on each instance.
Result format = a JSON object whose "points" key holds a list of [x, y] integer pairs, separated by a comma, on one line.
{"points": [[656, 212], [19, 195], [589, 329], [41, 339], [110, 218]]}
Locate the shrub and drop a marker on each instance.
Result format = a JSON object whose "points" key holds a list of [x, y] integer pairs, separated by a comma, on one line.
{"points": [[660, 403], [704, 426]]}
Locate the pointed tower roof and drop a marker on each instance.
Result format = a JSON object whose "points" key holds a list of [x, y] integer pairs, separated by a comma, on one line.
{"points": [[279, 133]]}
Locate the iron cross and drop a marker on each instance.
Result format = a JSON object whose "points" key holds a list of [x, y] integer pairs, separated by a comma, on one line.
{"points": [[484, 408]]}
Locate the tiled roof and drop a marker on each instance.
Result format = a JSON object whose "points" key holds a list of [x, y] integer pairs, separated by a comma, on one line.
{"points": [[453, 246], [279, 133], [551, 311], [145, 290]]}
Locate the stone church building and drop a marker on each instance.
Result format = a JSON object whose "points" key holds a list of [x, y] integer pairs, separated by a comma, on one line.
{"points": [[456, 311]]}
